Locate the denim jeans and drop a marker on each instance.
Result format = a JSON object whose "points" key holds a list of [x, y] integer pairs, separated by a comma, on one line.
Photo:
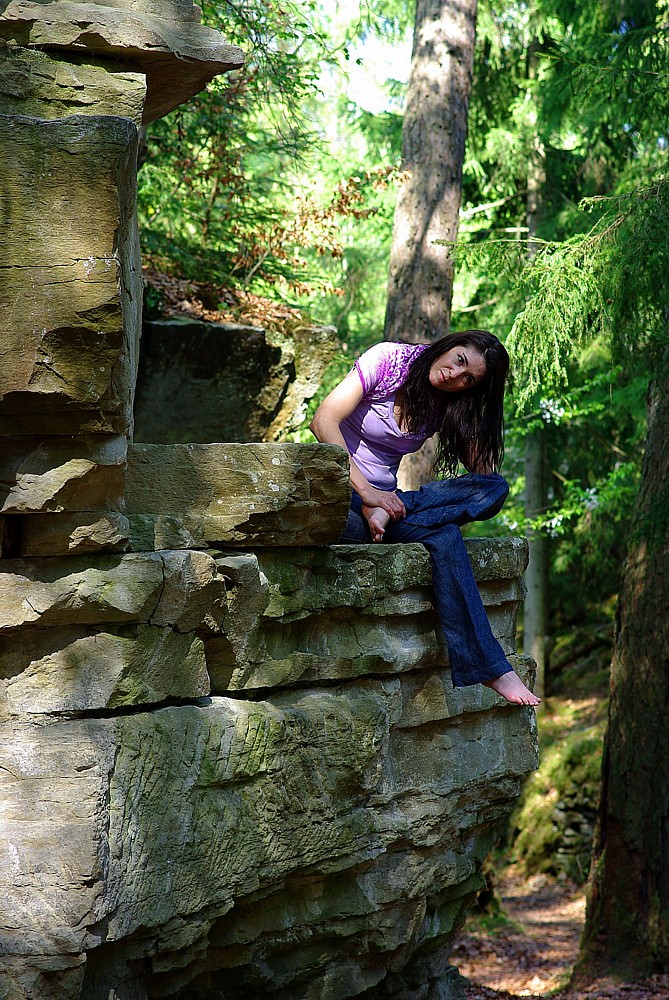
{"points": [[433, 515]]}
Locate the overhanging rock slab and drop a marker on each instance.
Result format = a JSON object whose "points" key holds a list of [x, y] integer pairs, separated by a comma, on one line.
{"points": [[177, 54]]}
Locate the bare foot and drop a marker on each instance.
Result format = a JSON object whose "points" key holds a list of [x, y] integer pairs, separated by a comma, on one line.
{"points": [[511, 687], [377, 518]]}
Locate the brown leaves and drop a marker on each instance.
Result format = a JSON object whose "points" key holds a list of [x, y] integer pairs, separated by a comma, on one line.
{"points": [[216, 304], [532, 955]]}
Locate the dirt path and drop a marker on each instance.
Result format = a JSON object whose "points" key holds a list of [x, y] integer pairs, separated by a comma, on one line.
{"points": [[533, 954]]}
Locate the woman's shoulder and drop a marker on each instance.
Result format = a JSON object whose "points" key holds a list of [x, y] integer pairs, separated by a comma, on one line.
{"points": [[384, 367]]}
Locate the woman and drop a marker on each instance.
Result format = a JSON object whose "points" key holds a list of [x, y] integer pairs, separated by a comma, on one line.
{"points": [[395, 397]]}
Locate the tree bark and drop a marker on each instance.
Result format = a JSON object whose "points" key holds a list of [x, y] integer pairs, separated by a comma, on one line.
{"points": [[536, 575], [627, 922], [535, 609], [420, 285]]}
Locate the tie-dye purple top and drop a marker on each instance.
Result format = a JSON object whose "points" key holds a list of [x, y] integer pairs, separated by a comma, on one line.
{"points": [[372, 436]]}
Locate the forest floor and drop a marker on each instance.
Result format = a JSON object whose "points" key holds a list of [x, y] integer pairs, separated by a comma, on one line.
{"points": [[531, 951], [530, 947]]}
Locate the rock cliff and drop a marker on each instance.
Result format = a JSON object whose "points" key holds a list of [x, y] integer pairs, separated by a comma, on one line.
{"points": [[232, 763], [234, 382]]}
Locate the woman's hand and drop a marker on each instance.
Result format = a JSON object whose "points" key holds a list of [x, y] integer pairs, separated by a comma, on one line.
{"points": [[390, 502]]}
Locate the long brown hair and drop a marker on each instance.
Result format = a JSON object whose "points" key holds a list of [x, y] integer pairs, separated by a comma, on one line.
{"points": [[470, 422]]}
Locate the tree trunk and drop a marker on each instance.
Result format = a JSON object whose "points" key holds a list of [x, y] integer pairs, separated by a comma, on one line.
{"points": [[535, 610], [536, 575], [420, 285], [627, 922]]}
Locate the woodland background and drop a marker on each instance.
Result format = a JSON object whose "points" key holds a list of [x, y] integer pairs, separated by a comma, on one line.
{"points": [[271, 197]]}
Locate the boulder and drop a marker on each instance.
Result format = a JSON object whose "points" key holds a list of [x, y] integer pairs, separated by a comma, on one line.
{"points": [[300, 846], [69, 301], [261, 494], [232, 382], [165, 42]]}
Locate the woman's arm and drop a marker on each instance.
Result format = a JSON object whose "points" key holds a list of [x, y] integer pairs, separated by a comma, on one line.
{"points": [[325, 427]]}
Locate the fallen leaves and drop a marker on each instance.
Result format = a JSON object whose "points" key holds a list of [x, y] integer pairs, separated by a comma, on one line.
{"points": [[531, 956], [218, 304]]}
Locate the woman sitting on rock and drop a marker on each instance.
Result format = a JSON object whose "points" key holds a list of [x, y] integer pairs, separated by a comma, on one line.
{"points": [[395, 397]]}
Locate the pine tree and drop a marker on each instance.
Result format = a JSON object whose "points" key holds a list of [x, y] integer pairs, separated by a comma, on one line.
{"points": [[609, 282]]}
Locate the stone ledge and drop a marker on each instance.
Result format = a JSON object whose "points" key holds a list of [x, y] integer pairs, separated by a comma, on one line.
{"points": [[103, 631], [311, 616], [192, 495]]}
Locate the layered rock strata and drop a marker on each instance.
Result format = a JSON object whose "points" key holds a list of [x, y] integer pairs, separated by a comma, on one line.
{"points": [[245, 771], [161, 39]]}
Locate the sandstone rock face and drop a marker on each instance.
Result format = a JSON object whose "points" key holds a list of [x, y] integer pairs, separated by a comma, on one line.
{"points": [[55, 474], [71, 534], [81, 634], [164, 41], [195, 495], [34, 84], [233, 383], [70, 346], [322, 839]]}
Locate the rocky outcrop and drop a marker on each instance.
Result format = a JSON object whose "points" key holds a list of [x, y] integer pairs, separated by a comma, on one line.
{"points": [[234, 382], [231, 758], [249, 765]]}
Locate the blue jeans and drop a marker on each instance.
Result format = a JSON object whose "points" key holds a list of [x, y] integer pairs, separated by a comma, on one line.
{"points": [[433, 515]]}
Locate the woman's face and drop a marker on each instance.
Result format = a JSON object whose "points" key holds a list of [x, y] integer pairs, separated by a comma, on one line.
{"points": [[459, 368]]}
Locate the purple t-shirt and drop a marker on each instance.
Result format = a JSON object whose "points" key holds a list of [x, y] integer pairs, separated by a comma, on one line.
{"points": [[372, 436]]}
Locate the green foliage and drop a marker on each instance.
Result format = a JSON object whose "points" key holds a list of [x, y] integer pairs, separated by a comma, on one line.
{"points": [[221, 196], [248, 185], [581, 89], [602, 283]]}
